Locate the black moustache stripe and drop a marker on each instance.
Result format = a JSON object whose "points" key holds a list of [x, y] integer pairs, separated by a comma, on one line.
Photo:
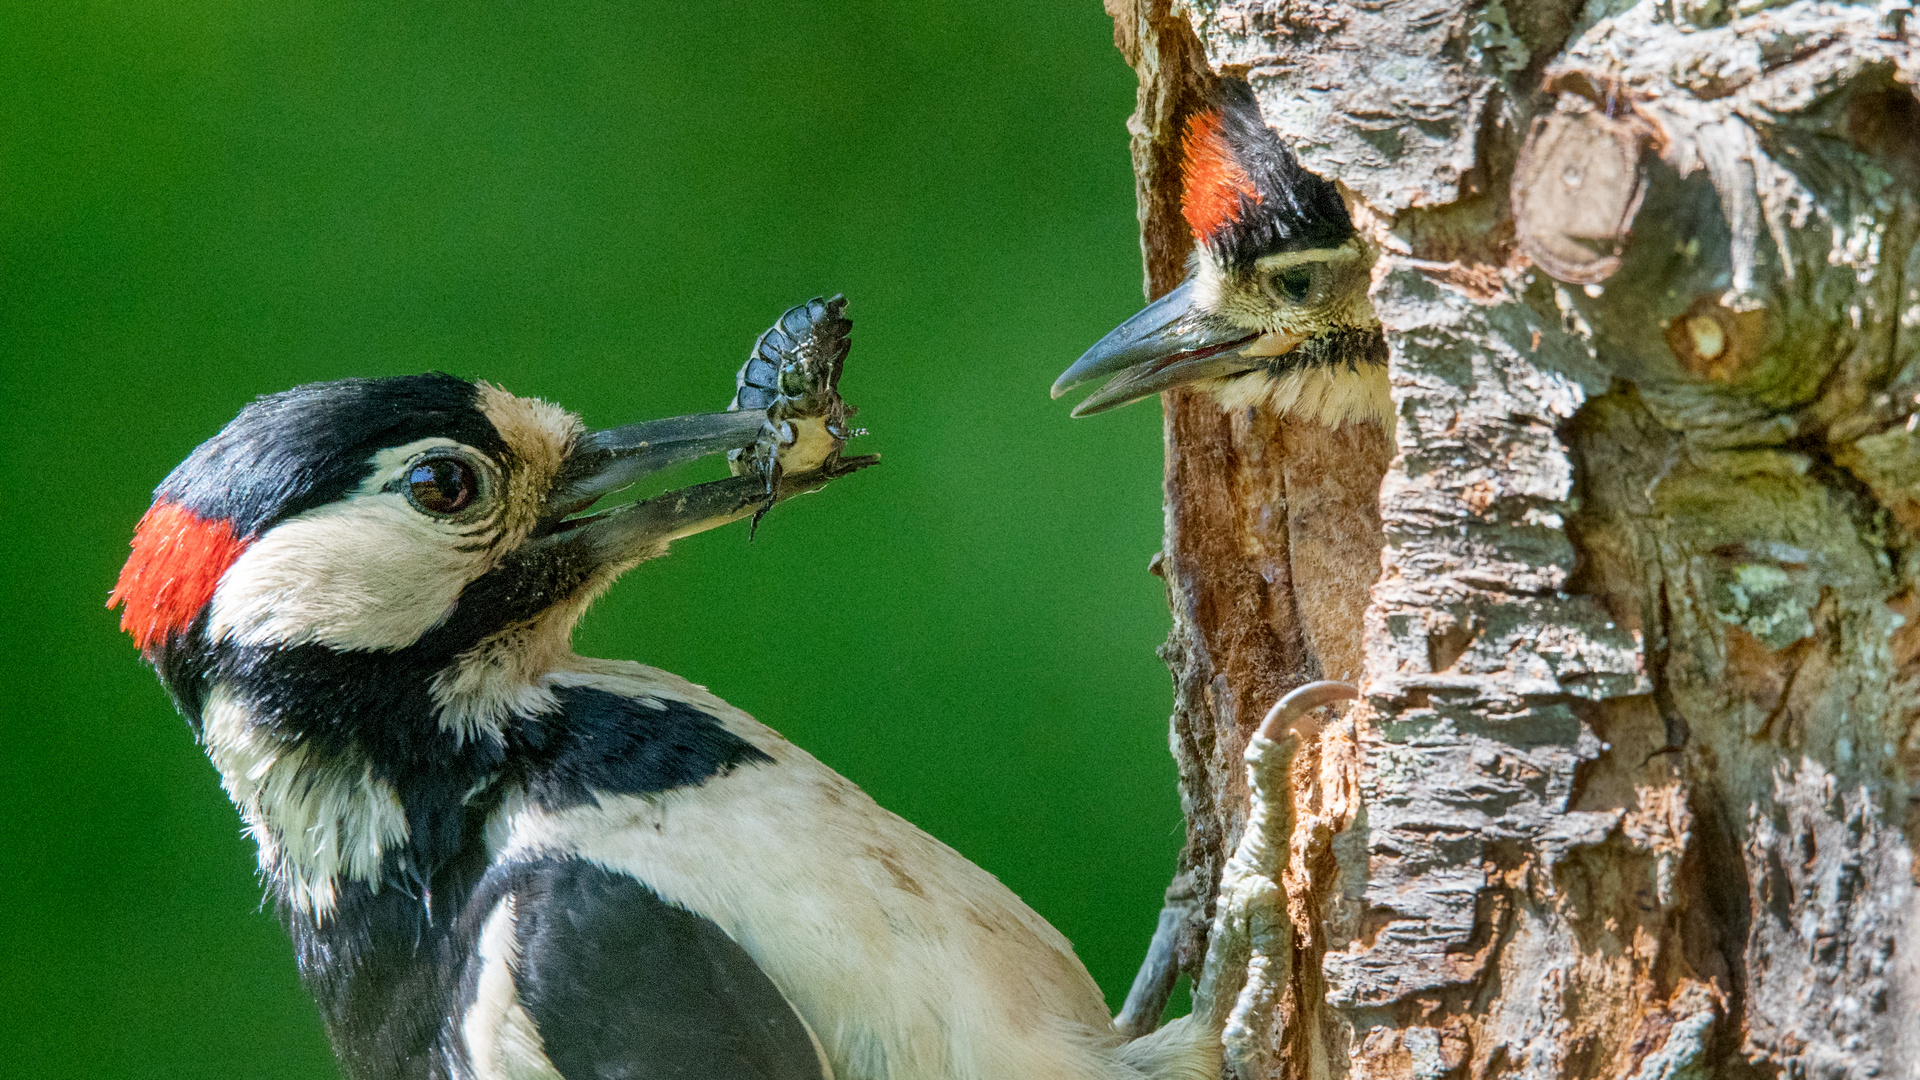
{"points": [[1351, 349]]}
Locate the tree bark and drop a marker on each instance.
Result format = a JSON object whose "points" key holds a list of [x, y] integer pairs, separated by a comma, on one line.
{"points": [[1629, 590]]}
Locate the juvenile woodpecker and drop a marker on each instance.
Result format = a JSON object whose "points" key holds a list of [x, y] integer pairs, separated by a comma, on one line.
{"points": [[1274, 312], [497, 858]]}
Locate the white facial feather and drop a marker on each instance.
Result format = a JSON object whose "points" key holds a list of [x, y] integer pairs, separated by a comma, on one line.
{"points": [[1330, 396], [367, 572], [316, 822]]}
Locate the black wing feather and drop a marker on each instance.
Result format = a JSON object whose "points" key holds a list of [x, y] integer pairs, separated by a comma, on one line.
{"points": [[624, 985]]}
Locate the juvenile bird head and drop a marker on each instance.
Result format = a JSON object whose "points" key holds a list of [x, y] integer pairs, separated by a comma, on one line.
{"points": [[1274, 312], [354, 591]]}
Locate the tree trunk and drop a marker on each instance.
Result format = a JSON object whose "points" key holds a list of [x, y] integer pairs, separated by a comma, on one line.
{"points": [[1630, 590]]}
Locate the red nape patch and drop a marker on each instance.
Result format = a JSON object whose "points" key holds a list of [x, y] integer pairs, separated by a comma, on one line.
{"points": [[1212, 181], [178, 557]]}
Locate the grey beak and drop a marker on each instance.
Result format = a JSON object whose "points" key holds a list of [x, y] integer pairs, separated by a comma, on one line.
{"points": [[606, 461], [1169, 342]]}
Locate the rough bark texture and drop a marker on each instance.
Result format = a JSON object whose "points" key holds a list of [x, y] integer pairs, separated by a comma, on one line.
{"points": [[1273, 525], [1635, 786]]}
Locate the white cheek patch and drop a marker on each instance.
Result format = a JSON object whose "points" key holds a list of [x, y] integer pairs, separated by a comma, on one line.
{"points": [[368, 573]]}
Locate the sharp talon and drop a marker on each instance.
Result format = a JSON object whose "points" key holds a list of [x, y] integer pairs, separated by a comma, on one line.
{"points": [[1300, 701]]}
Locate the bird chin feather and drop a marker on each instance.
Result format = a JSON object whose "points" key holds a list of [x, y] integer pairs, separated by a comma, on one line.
{"points": [[1322, 395]]}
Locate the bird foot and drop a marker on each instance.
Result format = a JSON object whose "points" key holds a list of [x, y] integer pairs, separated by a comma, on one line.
{"points": [[1250, 949], [1250, 943]]}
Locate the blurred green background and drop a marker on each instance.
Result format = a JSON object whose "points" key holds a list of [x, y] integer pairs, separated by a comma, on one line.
{"points": [[602, 204]]}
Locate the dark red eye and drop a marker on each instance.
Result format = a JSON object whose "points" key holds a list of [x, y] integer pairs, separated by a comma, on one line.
{"points": [[442, 485]]}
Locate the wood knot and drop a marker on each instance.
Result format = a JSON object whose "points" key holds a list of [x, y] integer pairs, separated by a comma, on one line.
{"points": [[1713, 341], [1576, 189]]}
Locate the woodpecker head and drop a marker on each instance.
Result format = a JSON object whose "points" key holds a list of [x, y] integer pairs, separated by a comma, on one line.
{"points": [[354, 589], [1274, 312]]}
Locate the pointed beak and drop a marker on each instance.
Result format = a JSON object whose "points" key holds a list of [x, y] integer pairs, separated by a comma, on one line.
{"points": [[605, 461], [1169, 342]]}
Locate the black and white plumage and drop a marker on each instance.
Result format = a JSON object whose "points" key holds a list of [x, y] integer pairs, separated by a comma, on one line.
{"points": [[1274, 313], [497, 858]]}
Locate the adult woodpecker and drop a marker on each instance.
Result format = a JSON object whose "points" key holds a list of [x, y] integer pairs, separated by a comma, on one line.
{"points": [[497, 858], [1274, 312]]}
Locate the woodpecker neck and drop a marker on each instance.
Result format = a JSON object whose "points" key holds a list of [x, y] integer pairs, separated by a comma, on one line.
{"points": [[385, 959], [359, 764], [341, 768], [1322, 394]]}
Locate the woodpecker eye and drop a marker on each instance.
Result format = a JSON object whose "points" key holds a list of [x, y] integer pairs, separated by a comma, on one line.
{"points": [[1294, 282], [442, 485]]}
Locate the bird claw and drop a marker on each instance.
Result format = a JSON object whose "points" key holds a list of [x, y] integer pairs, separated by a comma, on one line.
{"points": [[1294, 711], [793, 374], [1250, 941]]}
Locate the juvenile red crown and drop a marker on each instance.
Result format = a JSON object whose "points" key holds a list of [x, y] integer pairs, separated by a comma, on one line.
{"points": [[1212, 179]]}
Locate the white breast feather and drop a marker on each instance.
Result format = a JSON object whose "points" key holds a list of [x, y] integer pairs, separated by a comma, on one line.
{"points": [[501, 1039], [908, 962]]}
